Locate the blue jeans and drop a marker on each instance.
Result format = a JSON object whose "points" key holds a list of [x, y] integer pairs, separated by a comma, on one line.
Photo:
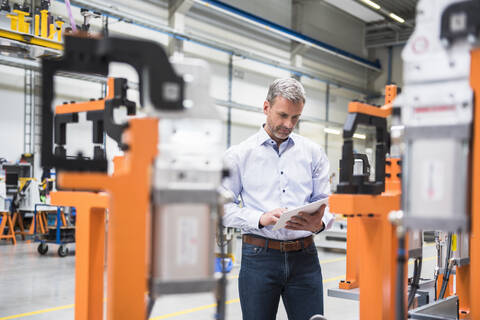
{"points": [[266, 274]]}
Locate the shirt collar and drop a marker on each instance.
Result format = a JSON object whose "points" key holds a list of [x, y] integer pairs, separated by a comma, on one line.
{"points": [[262, 136]]}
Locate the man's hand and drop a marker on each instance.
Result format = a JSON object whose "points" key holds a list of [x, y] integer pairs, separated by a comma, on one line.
{"points": [[305, 221], [271, 217]]}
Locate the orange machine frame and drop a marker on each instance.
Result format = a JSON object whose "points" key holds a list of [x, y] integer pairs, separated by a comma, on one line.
{"points": [[371, 238], [353, 248], [129, 189], [88, 105], [89, 250], [89, 230], [468, 277]]}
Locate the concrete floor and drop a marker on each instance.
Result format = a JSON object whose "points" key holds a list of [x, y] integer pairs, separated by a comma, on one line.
{"points": [[42, 287]]}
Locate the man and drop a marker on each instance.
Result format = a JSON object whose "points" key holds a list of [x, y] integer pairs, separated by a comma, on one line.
{"points": [[273, 170]]}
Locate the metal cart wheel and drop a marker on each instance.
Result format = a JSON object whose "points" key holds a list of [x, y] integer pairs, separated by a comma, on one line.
{"points": [[62, 251], [42, 248]]}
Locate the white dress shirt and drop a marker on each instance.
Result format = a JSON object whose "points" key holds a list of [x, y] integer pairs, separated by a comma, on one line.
{"points": [[265, 177]]}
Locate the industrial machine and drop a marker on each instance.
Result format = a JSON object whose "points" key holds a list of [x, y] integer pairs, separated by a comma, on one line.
{"points": [[366, 201], [433, 142], [439, 133], [164, 200], [16, 175], [3, 195]]}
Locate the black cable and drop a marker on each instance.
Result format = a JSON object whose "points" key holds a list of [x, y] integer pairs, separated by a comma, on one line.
{"points": [[437, 268], [151, 303], [447, 267], [222, 283], [151, 297], [401, 259], [445, 282], [411, 293], [417, 271]]}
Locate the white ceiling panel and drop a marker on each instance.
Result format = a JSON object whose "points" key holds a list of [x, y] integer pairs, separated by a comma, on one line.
{"points": [[357, 10]]}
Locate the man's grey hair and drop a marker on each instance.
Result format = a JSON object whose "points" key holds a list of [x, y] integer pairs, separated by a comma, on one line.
{"points": [[288, 88]]}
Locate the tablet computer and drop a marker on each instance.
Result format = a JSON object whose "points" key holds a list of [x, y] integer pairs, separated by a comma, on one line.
{"points": [[308, 208]]}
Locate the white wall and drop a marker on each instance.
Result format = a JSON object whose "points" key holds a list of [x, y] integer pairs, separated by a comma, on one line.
{"points": [[378, 81], [326, 23], [250, 83], [11, 112]]}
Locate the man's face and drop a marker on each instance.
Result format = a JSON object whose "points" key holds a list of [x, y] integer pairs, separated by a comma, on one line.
{"points": [[282, 117]]}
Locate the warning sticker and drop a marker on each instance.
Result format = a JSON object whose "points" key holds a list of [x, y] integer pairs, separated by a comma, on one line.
{"points": [[187, 239], [433, 180]]}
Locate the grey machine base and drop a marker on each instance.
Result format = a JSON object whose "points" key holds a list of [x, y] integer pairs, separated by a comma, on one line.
{"points": [[425, 289], [351, 294], [446, 309]]}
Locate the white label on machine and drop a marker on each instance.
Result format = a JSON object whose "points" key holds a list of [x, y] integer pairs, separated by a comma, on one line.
{"points": [[433, 180], [187, 239]]}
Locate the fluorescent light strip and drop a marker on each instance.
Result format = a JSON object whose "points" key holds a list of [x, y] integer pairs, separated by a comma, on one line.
{"points": [[371, 4], [282, 33], [359, 136], [396, 18], [332, 131]]}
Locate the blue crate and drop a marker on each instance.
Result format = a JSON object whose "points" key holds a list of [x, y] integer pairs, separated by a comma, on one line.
{"points": [[228, 264]]}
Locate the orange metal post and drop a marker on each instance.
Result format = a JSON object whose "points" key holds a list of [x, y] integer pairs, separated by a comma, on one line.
{"points": [[463, 290], [90, 250], [390, 93], [18, 218], [89, 230], [377, 261], [392, 183], [7, 221], [353, 254], [129, 189], [88, 105], [475, 218], [376, 246]]}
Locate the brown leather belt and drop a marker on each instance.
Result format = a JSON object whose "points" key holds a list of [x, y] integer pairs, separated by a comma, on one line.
{"points": [[282, 245]]}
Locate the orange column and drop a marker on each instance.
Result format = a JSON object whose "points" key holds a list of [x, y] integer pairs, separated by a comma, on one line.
{"points": [[129, 189], [377, 250], [127, 236], [89, 250], [371, 269], [378, 268], [475, 219], [463, 290], [353, 252]]}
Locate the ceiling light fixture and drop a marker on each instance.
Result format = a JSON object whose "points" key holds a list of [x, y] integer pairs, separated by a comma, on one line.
{"points": [[359, 136], [396, 18], [371, 4], [331, 131]]}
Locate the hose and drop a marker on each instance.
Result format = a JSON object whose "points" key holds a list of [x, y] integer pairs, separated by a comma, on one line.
{"points": [[222, 284], [445, 282], [437, 268], [446, 273], [151, 296], [417, 271], [401, 259]]}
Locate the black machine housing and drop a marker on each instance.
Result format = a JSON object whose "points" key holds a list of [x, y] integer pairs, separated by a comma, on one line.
{"points": [[360, 184], [93, 56]]}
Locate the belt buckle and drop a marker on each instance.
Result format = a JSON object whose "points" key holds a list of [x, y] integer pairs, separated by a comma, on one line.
{"points": [[286, 246]]}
